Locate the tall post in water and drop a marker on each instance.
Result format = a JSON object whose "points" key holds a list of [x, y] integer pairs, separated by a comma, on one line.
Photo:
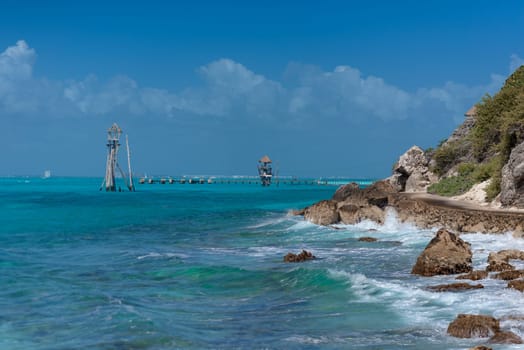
{"points": [[130, 185], [113, 143]]}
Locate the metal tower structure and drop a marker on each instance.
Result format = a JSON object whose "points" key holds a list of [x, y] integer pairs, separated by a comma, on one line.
{"points": [[265, 170], [113, 143]]}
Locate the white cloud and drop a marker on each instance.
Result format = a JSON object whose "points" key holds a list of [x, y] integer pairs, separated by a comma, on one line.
{"points": [[16, 62], [232, 91]]}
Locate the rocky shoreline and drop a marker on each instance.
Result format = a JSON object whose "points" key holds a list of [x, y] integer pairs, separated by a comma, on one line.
{"points": [[350, 205], [446, 253]]}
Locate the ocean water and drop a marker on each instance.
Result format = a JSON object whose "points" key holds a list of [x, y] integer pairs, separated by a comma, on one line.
{"points": [[200, 267]]}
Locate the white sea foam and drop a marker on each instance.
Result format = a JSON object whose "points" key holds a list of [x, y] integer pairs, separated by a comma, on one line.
{"points": [[392, 229], [269, 222], [303, 339], [418, 306], [153, 255], [483, 244]]}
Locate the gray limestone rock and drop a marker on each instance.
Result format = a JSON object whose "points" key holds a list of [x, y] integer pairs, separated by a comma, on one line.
{"points": [[512, 184]]}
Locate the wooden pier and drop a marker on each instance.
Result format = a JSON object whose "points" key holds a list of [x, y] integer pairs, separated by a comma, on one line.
{"points": [[249, 181]]}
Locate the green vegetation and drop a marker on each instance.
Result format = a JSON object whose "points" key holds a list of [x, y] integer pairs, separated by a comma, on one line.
{"points": [[468, 174], [449, 154], [451, 186], [499, 127]]}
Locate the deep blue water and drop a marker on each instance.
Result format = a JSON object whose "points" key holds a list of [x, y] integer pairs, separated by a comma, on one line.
{"points": [[200, 267]]}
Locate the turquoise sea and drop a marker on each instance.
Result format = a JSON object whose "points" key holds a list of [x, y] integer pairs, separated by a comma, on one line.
{"points": [[200, 267]]}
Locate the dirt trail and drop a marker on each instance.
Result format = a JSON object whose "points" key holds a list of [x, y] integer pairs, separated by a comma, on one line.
{"points": [[445, 202]]}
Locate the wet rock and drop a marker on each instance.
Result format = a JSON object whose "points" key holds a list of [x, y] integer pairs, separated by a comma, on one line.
{"points": [[300, 257], [322, 213], [509, 275], [375, 194], [445, 254], [346, 191], [474, 275], [297, 212], [367, 239], [505, 337], [481, 347], [352, 214], [499, 261], [455, 287], [517, 284], [473, 326]]}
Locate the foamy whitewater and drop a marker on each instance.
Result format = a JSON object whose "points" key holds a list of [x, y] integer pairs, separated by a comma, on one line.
{"points": [[200, 267]]}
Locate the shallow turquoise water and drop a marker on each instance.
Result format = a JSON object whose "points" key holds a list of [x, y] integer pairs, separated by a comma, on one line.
{"points": [[200, 266]]}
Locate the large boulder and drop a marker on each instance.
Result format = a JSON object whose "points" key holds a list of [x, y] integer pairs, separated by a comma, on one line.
{"points": [[346, 191], [322, 213], [446, 254], [376, 194], [411, 173], [512, 184], [474, 326], [499, 261], [353, 214], [352, 204]]}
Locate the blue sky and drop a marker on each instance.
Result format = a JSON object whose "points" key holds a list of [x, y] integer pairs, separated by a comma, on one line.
{"points": [[331, 88]]}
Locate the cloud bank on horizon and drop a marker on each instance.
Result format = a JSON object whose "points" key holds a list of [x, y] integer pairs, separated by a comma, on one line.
{"points": [[231, 91]]}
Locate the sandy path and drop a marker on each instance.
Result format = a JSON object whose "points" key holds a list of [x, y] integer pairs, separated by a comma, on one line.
{"points": [[445, 202]]}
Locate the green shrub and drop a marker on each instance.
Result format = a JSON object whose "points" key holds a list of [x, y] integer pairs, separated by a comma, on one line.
{"points": [[452, 186], [486, 170], [445, 157], [494, 187], [465, 169]]}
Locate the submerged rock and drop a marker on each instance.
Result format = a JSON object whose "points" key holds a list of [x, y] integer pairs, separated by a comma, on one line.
{"points": [[473, 326], [446, 254], [474, 275], [505, 337], [300, 257], [367, 239], [509, 275], [455, 287], [517, 284]]}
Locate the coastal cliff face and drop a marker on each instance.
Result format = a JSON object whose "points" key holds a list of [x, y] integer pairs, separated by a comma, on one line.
{"points": [[512, 186], [483, 161], [489, 145]]}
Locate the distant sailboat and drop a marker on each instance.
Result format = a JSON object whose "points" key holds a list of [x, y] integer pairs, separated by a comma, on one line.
{"points": [[47, 174]]}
